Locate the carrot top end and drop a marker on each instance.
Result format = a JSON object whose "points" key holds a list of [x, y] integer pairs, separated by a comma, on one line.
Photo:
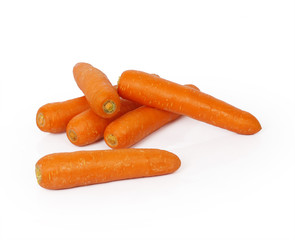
{"points": [[112, 140], [109, 107], [72, 135], [41, 119], [38, 174]]}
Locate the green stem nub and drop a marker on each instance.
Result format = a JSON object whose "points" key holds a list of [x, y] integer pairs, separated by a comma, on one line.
{"points": [[72, 135], [112, 140], [38, 174], [41, 119], [109, 107]]}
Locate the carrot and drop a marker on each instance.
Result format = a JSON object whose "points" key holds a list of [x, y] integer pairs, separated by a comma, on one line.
{"points": [[157, 92], [87, 127], [99, 92], [54, 117], [73, 169], [136, 125]]}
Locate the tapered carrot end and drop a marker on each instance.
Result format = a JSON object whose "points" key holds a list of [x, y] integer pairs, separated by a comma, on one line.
{"points": [[170, 163], [81, 65], [249, 124], [79, 68], [256, 126], [176, 164]]}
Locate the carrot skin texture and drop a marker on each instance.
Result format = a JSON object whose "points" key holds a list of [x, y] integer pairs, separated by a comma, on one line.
{"points": [[137, 124], [54, 117], [133, 126], [87, 127], [68, 170], [99, 92], [156, 92]]}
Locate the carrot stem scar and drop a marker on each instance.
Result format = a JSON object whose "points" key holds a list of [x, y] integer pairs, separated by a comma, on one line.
{"points": [[112, 140], [109, 107], [72, 135], [40, 119], [38, 174]]}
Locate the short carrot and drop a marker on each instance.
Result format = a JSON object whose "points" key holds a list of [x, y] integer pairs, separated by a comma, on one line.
{"points": [[87, 127], [157, 92], [67, 170], [99, 92], [137, 124], [54, 117]]}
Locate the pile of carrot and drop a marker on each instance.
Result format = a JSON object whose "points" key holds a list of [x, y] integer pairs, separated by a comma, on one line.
{"points": [[123, 115]]}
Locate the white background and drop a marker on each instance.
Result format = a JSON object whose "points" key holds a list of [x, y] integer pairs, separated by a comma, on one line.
{"points": [[228, 187]]}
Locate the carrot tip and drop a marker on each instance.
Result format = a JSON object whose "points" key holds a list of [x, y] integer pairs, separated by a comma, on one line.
{"points": [[41, 119], [38, 174], [72, 135], [109, 107], [112, 140]]}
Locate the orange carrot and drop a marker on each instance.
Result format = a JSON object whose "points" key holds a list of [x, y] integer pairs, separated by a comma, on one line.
{"points": [[136, 125], [99, 92], [54, 117], [87, 127], [157, 92], [67, 170]]}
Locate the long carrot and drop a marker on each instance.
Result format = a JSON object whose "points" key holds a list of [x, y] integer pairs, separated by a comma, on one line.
{"points": [[87, 127], [99, 92], [54, 117], [67, 170], [135, 125], [157, 92]]}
